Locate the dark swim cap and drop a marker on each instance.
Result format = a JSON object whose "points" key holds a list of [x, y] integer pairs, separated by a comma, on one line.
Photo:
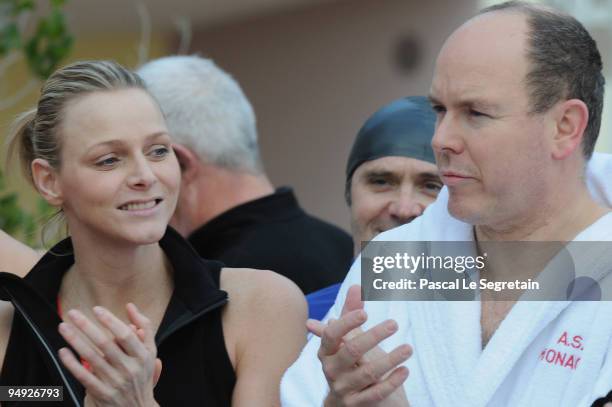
{"points": [[402, 128]]}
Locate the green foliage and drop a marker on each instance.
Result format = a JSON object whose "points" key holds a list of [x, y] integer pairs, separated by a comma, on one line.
{"points": [[43, 51], [19, 223], [50, 43], [14, 220]]}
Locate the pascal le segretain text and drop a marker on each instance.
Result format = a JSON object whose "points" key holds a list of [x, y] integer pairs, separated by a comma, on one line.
{"points": [[457, 284]]}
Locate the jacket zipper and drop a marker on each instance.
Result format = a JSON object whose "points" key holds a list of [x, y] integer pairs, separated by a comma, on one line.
{"points": [[51, 354], [46, 346], [189, 320]]}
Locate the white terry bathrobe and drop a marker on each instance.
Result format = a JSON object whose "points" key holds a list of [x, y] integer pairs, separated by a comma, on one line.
{"points": [[544, 353]]}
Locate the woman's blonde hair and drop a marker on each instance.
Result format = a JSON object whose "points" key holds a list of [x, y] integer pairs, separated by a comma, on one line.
{"points": [[36, 132]]}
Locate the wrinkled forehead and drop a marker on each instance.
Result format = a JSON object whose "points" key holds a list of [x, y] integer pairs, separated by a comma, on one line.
{"points": [[487, 49]]}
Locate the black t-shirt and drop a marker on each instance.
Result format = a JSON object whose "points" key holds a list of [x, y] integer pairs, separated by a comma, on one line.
{"points": [[274, 233], [196, 366]]}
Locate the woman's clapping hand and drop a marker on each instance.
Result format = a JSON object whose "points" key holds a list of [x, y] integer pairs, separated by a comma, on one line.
{"points": [[123, 365]]}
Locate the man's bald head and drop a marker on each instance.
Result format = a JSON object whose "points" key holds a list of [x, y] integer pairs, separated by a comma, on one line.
{"points": [[564, 62], [518, 92]]}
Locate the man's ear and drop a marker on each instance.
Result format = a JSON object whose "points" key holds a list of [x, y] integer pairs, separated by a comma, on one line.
{"points": [[46, 182], [188, 161], [572, 118]]}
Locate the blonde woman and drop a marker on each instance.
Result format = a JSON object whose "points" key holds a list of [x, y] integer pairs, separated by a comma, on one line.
{"points": [[124, 312]]}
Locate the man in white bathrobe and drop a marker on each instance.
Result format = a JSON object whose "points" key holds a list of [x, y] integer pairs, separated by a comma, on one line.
{"points": [[518, 91]]}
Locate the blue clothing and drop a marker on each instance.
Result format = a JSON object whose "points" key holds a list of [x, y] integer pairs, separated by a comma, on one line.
{"points": [[320, 301]]}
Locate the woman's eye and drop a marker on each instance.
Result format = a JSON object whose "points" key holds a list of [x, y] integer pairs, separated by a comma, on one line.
{"points": [[160, 152], [107, 162]]}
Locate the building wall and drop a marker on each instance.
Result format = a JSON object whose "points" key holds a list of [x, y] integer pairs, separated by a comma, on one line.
{"points": [[316, 74]]}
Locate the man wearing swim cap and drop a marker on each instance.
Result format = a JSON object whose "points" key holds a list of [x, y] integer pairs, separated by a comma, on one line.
{"points": [[391, 176]]}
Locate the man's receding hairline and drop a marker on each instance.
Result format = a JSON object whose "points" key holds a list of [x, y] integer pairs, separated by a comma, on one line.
{"points": [[523, 8], [469, 23], [507, 12]]}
